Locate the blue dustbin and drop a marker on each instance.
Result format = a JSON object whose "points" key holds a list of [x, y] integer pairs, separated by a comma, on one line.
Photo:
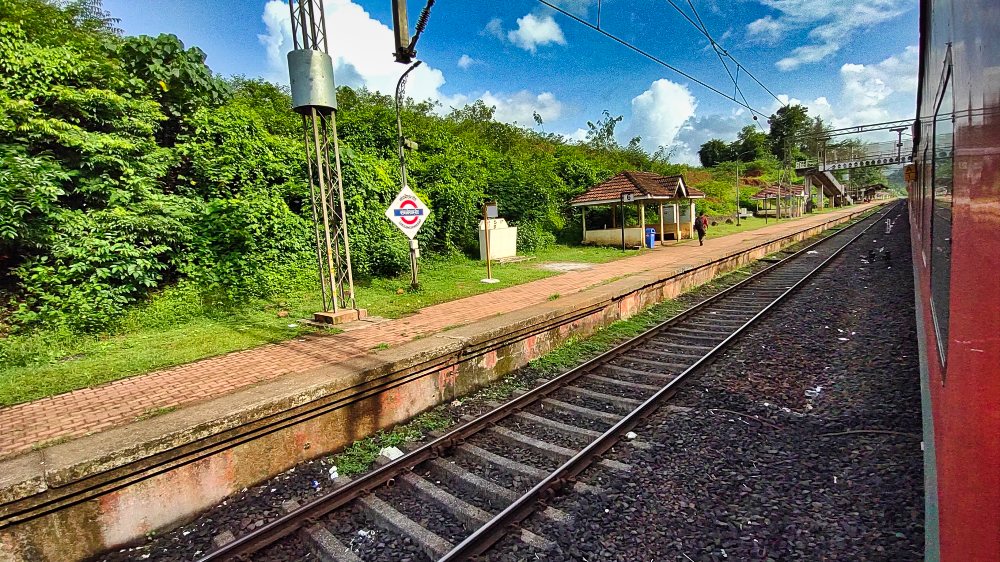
{"points": [[650, 238]]}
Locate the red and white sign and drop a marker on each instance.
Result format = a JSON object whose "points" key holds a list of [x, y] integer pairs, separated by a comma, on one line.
{"points": [[408, 212]]}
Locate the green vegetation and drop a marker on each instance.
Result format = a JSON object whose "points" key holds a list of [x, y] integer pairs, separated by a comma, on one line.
{"points": [[153, 213], [127, 167], [182, 324], [360, 455]]}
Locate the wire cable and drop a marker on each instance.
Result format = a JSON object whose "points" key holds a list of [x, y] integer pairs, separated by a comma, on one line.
{"points": [[719, 52], [653, 58], [704, 31]]}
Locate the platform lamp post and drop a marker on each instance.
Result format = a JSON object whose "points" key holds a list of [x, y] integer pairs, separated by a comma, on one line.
{"points": [[400, 87], [314, 96]]}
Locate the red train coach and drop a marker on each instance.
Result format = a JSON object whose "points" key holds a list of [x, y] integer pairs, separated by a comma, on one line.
{"points": [[954, 193]]}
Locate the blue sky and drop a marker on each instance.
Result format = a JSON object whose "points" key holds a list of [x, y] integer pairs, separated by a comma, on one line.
{"points": [[850, 63]]}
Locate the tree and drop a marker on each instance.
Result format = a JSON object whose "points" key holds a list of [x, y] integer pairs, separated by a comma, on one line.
{"points": [[714, 152], [602, 134], [751, 144], [788, 128], [174, 76]]}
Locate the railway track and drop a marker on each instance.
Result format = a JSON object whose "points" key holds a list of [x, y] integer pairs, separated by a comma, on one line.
{"points": [[454, 497]]}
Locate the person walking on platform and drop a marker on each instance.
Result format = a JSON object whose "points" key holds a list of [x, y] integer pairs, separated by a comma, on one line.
{"points": [[701, 225]]}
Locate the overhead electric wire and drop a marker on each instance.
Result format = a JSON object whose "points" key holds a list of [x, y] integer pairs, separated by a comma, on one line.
{"points": [[719, 51], [716, 45], [652, 57]]}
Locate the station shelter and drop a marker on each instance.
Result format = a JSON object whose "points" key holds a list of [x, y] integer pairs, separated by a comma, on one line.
{"points": [[672, 214], [781, 200]]}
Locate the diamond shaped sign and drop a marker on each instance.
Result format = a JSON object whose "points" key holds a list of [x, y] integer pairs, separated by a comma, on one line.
{"points": [[408, 212]]}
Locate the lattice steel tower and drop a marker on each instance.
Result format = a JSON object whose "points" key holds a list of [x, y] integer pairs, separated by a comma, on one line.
{"points": [[314, 96]]}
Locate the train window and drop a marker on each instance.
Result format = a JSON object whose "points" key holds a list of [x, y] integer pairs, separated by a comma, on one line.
{"points": [[943, 151]]}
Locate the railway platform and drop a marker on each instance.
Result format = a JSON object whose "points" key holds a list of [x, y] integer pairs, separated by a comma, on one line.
{"points": [[113, 473]]}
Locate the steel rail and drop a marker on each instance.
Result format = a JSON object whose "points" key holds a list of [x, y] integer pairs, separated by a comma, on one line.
{"points": [[484, 537], [479, 541], [366, 484]]}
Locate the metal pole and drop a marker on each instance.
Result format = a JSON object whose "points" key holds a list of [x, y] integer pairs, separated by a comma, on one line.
{"points": [[486, 227], [623, 221], [737, 192], [400, 141]]}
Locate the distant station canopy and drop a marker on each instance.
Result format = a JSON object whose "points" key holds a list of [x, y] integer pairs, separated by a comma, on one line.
{"points": [[789, 200], [671, 195]]}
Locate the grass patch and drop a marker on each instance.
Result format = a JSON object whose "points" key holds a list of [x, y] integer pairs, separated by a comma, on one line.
{"points": [[154, 412], [183, 324], [361, 454]]}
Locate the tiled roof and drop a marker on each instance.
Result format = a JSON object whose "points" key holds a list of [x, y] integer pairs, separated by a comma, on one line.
{"points": [[771, 191], [644, 185]]}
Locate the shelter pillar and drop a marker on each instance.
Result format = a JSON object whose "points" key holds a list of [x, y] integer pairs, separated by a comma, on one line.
{"points": [[663, 238], [583, 220], [642, 220], [676, 210]]}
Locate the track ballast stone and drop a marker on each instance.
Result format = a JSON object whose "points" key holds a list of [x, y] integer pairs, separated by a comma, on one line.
{"points": [[803, 441]]}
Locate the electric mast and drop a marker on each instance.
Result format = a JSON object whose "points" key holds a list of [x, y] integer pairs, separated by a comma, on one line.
{"points": [[314, 96]]}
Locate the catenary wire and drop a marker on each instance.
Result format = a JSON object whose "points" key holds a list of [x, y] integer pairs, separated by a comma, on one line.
{"points": [[704, 31], [652, 57], [719, 52]]}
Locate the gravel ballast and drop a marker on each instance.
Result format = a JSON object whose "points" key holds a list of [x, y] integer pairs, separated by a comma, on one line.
{"points": [[803, 441]]}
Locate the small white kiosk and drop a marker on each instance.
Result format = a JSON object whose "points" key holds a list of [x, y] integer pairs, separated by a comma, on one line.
{"points": [[671, 196]]}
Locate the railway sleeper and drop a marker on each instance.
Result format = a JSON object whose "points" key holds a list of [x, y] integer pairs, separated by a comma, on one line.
{"points": [[645, 375], [564, 429], [659, 352], [623, 384], [555, 452], [326, 547], [481, 456], [469, 515], [468, 482], [619, 401], [668, 345], [661, 366], [701, 334], [387, 517], [598, 415]]}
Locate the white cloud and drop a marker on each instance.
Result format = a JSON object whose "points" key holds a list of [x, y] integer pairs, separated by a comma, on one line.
{"points": [[766, 30], [881, 92], [495, 28], [831, 23], [578, 135], [521, 107], [659, 113], [700, 129], [873, 93], [534, 31], [465, 61]]}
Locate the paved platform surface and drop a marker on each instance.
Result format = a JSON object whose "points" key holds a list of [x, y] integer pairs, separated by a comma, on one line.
{"points": [[82, 412]]}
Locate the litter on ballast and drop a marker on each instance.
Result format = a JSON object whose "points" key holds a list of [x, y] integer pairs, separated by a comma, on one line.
{"points": [[813, 392], [391, 453], [844, 339], [334, 472], [631, 435]]}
